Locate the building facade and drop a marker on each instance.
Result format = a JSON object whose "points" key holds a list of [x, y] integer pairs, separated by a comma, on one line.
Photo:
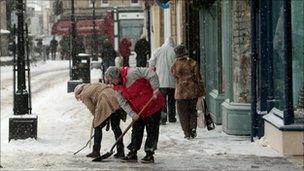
{"points": [[251, 54], [4, 33], [127, 16], [255, 69], [167, 22]]}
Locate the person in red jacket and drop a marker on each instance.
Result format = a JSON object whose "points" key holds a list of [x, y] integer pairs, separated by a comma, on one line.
{"points": [[135, 87], [124, 50]]}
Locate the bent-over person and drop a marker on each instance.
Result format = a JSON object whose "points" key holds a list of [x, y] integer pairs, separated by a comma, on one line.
{"points": [[135, 87], [101, 100]]}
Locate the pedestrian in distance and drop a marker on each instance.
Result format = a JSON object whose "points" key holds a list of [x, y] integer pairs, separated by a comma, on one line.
{"points": [[125, 51], [108, 56], [162, 60], [135, 87], [188, 79], [53, 44], [142, 50], [47, 51], [101, 100], [40, 48], [80, 47]]}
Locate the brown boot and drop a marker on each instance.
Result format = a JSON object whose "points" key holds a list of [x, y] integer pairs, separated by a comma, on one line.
{"points": [[95, 153]]}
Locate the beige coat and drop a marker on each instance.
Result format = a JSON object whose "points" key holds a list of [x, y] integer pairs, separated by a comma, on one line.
{"points": [[188, 79], [101, 101]]}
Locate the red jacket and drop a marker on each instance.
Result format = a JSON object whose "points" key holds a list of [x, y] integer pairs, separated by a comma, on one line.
{"points": [[138, 94], [124, 48]]}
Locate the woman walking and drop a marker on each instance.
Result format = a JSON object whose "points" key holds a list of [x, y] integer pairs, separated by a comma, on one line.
{"points": [[188, 79]]}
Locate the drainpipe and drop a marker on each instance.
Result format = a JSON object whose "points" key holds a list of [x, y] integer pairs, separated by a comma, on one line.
{"points": [[148, 26], [288, 108], [253, 16]]}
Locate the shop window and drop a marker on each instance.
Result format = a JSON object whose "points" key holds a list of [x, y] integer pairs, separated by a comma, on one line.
{"points": [[134, 1], [90, 3], [297, 16], [104, 2], [278, 54]]}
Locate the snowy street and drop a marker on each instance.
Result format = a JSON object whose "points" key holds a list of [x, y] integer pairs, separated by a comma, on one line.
{"points": [[64, 127]]}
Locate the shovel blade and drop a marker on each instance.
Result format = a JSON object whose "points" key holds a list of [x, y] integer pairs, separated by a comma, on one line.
{"points": [[100, 158]]}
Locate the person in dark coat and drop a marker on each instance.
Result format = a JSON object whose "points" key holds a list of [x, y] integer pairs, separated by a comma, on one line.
{"points": [[108, 55], [47, 52], [142, 49], [53, 44], [80, 48], [125, 51]]}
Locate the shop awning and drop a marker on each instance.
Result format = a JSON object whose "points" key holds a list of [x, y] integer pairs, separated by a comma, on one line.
{"points": [[83, 27]]}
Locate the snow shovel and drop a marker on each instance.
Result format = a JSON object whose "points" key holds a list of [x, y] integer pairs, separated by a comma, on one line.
{"points": [[89, 141], [108, 154]]}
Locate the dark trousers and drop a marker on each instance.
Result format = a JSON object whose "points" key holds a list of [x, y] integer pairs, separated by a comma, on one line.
{"points": [[125, 62], [152, 127], [53, 54], [187, 114], [114, 119], [168, 93]]}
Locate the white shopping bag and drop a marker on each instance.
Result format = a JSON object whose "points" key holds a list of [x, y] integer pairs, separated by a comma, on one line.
{"points": [[200, 114], [118, 61]]}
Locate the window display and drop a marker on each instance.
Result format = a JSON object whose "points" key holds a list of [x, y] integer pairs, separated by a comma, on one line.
{"points": [[297, 15], [278, 54]]}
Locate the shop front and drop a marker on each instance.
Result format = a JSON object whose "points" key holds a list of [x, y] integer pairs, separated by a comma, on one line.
{"points": [[211, 57], [278, 73]]}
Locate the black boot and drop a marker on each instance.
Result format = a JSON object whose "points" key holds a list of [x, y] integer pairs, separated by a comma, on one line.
{"points": [[95, 153], [148, 158], [131, 157], [120, 152], [193, 133], [172, 120]]}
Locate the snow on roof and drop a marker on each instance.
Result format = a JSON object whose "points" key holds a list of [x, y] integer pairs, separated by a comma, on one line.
{"points": [[2, 31]]}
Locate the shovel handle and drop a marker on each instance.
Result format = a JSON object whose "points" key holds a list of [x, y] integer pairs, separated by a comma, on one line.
{"points": [[131, 124]]}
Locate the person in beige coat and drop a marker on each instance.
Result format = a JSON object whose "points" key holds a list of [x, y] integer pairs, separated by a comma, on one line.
{"points": [[188, 79], [101, 100]]}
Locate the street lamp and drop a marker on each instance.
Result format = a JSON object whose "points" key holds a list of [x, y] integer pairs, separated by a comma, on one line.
{"points": [[23, 124], [74, 72], [148, 24], [94, 35]]}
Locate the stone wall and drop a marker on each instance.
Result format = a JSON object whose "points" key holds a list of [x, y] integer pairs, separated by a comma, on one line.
{"points": [[241, 51]]}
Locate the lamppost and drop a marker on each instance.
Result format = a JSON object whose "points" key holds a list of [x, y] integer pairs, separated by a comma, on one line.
{"points": [[74, 72], [94, 35], [23, 124], [148, 26]]}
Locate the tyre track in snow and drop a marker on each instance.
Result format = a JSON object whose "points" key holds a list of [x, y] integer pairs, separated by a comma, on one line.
{"points": [[6, 82], [40, 82]]}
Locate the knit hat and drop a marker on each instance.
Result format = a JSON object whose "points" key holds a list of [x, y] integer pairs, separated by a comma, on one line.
{"points": [[78, 89], [112, 72]]}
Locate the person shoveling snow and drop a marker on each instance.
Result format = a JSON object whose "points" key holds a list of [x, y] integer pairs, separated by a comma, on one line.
{"points": [[100, 99]]}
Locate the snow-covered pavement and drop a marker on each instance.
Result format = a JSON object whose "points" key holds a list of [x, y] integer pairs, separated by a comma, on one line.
{"points": [[64, 127]]}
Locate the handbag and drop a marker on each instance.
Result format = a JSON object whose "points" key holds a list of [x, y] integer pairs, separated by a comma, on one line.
{"points": [[208, 119]]}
